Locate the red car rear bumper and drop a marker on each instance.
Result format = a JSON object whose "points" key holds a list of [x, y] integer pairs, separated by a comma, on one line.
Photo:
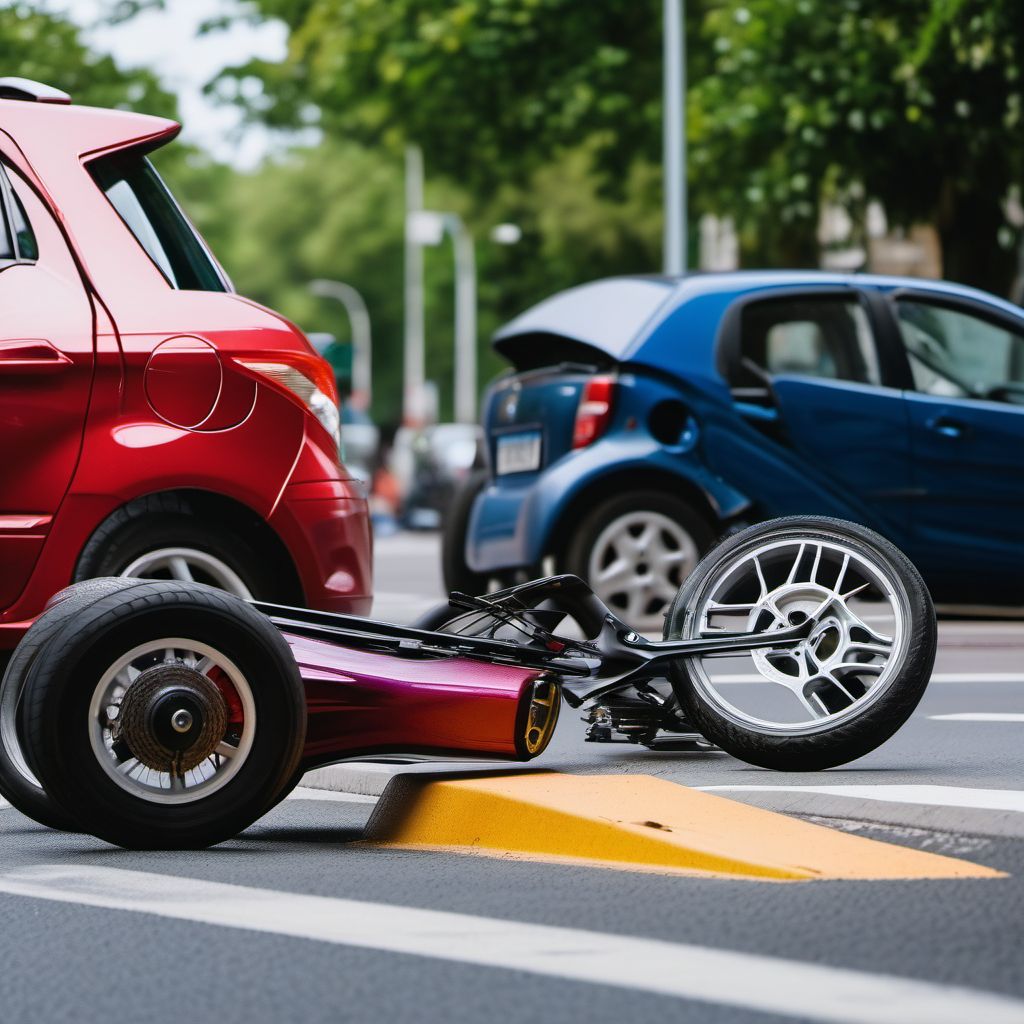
{"points": [[326, 527]]}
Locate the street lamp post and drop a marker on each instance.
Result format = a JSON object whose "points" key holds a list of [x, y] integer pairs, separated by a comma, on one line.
{"points": [[362, 341], [674, 130], [428, 227], [413, 404], [465, 319]]}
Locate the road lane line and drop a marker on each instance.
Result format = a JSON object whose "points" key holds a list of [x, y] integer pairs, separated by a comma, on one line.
{"points": [[979, 716], [751, 981], [934, 796], [937, 677]]}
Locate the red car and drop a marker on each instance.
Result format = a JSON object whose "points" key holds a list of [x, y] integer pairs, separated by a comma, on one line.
{"points": [[152, 421]]}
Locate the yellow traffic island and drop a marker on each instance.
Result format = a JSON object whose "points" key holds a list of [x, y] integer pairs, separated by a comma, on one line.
{"points": [[636, 823]]}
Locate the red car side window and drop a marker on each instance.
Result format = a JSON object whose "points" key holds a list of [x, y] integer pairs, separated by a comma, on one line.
{"points": [[17, 239]]}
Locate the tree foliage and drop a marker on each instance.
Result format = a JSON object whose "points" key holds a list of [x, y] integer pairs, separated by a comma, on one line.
{"points": [[48, 48], [916, 103], [489, 88]]}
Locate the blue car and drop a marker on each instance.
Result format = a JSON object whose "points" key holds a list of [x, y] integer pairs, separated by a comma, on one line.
{"points": [[644, 416]]}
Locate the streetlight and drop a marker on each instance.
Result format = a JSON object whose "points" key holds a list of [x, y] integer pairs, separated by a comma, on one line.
{"points": [[413, 397], [506, 234], [362, 342], [428, 227], [674, 130]]}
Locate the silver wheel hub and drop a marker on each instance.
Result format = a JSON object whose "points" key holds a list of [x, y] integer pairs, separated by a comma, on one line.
{"points": [[181, 720], [638, 563], [189, 565], [848, 659], [171, 718]]}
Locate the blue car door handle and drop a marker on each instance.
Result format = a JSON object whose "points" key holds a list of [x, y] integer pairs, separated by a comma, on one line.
{"points": [[949, 427]]}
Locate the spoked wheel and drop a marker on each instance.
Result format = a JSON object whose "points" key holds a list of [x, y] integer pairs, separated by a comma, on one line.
{"points": [[843, 690], [168, 717], [188, 565], [172, 720]]}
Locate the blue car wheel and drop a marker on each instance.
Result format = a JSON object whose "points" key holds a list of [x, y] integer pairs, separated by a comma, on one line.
{"points": [[635, 551]]}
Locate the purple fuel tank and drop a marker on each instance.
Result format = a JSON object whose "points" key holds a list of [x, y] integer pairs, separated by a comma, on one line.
{"points": [[363, 702]]}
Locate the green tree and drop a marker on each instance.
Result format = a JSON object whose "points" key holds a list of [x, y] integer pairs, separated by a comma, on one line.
{"points": [[48, 48], [489, 88], [916, 103]]}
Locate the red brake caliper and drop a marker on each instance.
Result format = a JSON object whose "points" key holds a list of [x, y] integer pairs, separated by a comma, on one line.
{"points": [[236, 715]]}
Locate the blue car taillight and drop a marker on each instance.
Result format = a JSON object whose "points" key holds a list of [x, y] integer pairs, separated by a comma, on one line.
{"points": [[594, 411]]}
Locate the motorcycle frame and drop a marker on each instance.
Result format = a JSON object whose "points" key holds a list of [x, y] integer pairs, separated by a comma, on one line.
{"points": [[613, 654]]}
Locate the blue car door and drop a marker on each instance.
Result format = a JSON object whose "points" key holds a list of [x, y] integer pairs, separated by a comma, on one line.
{"points": [[830, 434], [967, 437]]}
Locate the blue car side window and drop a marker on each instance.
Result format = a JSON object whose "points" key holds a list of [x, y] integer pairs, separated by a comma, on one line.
{"points": [[826, 337], [955, 354]]}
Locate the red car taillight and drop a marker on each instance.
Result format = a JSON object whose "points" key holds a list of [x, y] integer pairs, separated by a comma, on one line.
{"points": [[308, 377], [594, 412]]}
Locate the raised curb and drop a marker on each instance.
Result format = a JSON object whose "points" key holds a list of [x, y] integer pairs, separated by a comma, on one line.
{"points": [[633, 822], [371, 778]]}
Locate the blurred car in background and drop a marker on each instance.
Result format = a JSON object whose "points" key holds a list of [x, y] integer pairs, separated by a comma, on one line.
{"points": [[431, 464], [360, 443], [154, 423], [644, 416], [360, 437]]}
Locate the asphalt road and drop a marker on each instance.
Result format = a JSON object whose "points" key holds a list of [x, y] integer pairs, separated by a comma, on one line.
{"points": [[328, 929]]}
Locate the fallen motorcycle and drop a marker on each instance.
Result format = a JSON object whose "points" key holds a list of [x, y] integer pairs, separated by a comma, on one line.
{"points": [[160, 714]]}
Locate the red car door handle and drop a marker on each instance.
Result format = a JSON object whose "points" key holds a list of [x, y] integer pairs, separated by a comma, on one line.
{"points": [[31, 355]]}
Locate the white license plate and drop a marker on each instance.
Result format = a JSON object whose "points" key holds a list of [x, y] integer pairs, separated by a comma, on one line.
{"points": [[518, 453]]}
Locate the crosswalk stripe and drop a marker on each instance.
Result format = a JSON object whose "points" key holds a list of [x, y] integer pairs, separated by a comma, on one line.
{"points": [[937, 677], [767, 984], [935, 796], [979, 716]]}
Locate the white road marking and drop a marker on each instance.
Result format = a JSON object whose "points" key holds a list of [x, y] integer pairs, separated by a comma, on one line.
{"points": [[935, 796], [306, 793], [769, 984], [979, 716], [938, 677]]}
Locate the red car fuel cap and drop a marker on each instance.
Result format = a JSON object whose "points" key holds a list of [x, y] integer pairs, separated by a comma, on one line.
{"points": [[183, 380]]}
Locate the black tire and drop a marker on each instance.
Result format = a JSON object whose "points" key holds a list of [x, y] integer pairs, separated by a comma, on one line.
{"points": [[456, 573], [435, 619], [165, 521], [64, 677], [579, 550], [17, 784], [852, 736]]}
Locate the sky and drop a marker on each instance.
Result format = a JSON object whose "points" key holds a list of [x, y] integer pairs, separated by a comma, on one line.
{"points": [[168, 43]]}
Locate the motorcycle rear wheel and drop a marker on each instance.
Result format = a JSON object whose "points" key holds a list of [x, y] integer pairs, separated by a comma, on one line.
{"points": [[169, 717]]}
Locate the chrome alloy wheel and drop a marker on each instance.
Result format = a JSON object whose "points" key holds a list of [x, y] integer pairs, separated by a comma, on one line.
{"points": [[189, 565], [172, 721], [637, 565], [849, 659]]}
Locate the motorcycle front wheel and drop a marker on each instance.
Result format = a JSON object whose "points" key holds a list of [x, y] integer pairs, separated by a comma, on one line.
{"points": [[838, 694]]}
